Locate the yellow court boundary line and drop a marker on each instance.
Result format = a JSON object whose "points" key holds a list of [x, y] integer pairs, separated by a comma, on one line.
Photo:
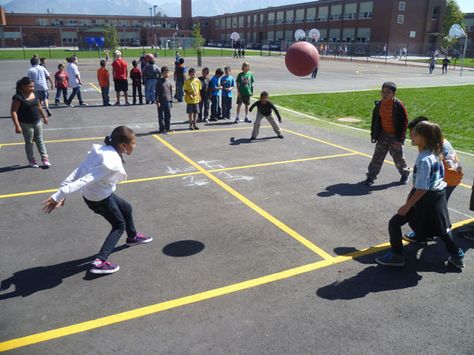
{"points": [[94, 86], [195, 298], [347, 149], [163, 177], [291, 232], [55, 141]]}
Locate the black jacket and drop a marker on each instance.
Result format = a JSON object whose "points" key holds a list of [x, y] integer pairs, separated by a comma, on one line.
{"points": [[400, 121]]}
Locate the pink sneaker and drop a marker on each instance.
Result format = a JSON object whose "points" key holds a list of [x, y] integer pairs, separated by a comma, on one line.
{"points": [[103, 267], [46, 163], [33, 163], [140, 238]]}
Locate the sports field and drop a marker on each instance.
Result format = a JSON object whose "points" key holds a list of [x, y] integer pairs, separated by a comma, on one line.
{"points": [[261, 247]]}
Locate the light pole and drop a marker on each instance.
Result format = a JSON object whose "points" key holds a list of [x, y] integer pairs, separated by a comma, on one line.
{"points": [[151, 21], [154, 24]]}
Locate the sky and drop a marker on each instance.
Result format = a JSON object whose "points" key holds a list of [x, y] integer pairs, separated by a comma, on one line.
{"points": [[465, 5]]}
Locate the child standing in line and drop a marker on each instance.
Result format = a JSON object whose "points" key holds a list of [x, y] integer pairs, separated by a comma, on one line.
{"points": [[26, 111], [444, 68], [164, 97], [136, 76], [103, 78], [61, 83], [97, 177], [227, 83], [244, 82], [426, 207], [389, 124], [215, 89], [204, 104], [264, 109], [192, 90], [452, 175]]}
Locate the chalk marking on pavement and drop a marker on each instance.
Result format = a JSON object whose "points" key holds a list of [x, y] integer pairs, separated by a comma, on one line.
{"points": [[291, 232], [187, 300]]}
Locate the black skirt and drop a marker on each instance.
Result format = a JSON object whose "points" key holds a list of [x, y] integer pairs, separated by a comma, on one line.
{"points": [[429, 216]]}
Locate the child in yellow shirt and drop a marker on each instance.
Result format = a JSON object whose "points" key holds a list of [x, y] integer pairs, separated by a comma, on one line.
{"points": [[192, 97]]}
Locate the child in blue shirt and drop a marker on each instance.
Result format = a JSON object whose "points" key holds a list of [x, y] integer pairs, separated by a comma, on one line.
{"points": [[215, 88], [426, 207], [227, 83]]}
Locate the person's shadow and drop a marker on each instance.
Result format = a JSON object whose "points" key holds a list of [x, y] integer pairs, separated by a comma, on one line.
{"points": [[30, 281], [7, 169], [239, 141], [377, 278], [357, 189]]}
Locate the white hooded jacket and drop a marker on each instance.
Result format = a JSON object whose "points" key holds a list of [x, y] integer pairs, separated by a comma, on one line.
{"points": [[96, 177]]}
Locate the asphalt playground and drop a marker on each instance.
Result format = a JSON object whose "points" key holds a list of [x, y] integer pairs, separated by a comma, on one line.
{"points": [[262, 247]]}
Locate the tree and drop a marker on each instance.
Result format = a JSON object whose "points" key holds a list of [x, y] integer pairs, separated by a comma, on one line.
{"points": [[111, 37], [453, 15], [198, 38]]}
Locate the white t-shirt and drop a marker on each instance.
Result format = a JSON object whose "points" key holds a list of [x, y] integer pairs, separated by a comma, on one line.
{"points": [[96, 177], [72, 72], [38, 75]]}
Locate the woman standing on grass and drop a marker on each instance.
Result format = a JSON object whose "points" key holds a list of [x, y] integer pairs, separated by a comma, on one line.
{"points": [[97, 177], [26, 111]]}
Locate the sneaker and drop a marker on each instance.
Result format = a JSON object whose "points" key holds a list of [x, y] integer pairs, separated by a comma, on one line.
{"points": [[367, 182], [248, 120], [140, 238], [253, 138], [237, 120], [191, 127], [280, 136], [33, 163], [70, 105], [117, 103], [411, 238], [205, 120], [83, 104], [48, 112], [103, 267], [391, 259], [46, 163], [196, 127], [404, 179], [457, 260]]}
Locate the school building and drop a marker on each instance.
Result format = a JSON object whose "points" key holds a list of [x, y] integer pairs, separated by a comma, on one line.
{"points": [[413, 23]]}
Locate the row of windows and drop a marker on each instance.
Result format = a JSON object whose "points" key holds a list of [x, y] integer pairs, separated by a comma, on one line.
{"points": [[321, 13], [118, 23]]}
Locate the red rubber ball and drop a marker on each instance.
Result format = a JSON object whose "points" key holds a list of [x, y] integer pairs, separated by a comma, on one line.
{"points": [[302, 58]]}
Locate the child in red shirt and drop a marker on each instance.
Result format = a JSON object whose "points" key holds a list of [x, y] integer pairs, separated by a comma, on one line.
{"points": [[61, 83], [136, 76], [103, 78]]}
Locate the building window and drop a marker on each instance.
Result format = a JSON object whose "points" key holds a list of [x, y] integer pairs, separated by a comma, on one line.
{"points": [[363, 35], [350, 11], [42, 22], [336, 13], [435, 15], [401, 19], [310, 14], [271, 18], [299, 16], [290, 16], [279, 17], [323, 13], [402, 5], [365, 10]]}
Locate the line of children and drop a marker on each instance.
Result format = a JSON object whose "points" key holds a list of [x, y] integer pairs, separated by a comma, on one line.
{"points": [[192, 90]]}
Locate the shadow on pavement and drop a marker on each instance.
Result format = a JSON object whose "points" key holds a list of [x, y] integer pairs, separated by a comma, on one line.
{"points": [[30, 281], [183, 248], [347, 189], [239, 141], [7, 169]]}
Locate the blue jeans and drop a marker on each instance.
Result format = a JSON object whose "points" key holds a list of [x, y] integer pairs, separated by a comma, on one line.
{"points": [[226, 106], [215, 107], [75, 91], [164, 115], [150, 85], [105, 95], [179, 90], [58, 95], [118, 213]]}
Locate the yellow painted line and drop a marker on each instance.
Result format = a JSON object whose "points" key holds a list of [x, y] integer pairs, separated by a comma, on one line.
{"points": [[347, 149], [95, 87], [163, 177], [249, 203], [183, 301], [57, 141], [282, 162]]}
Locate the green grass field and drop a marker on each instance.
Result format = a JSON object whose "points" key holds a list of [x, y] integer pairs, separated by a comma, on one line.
{"points": [[450, 107], [136, 52]]}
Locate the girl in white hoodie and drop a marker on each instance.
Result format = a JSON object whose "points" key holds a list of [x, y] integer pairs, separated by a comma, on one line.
{"points": [[97, 177]]}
